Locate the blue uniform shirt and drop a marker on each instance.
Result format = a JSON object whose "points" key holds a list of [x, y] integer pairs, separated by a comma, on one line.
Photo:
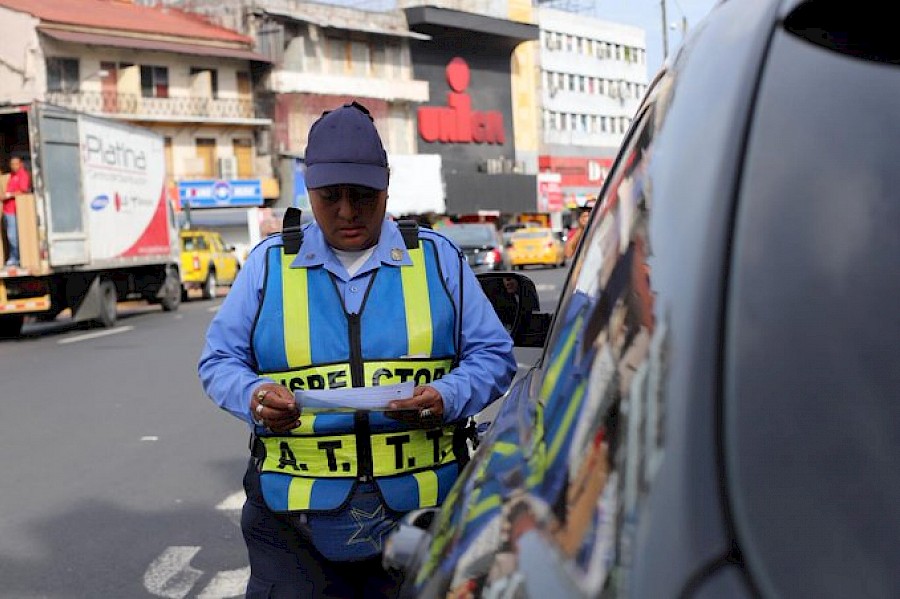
{"points": [[486, 365]]}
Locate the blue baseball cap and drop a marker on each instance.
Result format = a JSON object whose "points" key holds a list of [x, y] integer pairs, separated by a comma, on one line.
{"points": [[344, 148]]}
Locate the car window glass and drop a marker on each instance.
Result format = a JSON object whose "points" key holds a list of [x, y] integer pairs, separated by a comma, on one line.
{"points": [[530, 234], [595, 371], [462, 234]]}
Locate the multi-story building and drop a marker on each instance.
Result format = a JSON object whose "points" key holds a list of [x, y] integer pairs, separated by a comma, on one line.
{"points": [[164, 69], [593, 75], [323, 56], [398, 62], [559, 106], [469, 119]]}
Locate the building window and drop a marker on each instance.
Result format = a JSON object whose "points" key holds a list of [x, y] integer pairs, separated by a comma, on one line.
{"points": [[154, 82], [360, 57], [206, 152], [205, 82], [271, 41], [379, 59], [170, 163], [244, 85], [243, 154], [62, 75]]}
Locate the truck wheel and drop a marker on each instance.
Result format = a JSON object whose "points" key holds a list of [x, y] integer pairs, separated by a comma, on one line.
{"points": [[172, 298], [108, 304], [11, 325], [210, 286]]}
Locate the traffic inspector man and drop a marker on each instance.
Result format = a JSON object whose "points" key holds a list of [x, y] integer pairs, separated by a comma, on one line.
{"points": [[349, 300]]}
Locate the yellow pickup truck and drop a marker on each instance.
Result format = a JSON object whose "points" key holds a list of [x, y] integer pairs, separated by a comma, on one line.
{"points": [[206, 262]]}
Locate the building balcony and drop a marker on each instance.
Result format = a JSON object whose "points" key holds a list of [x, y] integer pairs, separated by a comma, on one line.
{"points": [[175, 109]]}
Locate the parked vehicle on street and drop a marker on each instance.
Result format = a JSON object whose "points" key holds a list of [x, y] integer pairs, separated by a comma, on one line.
{"points": [[536, 246], [480, 243], [206, 262], [715, 410], [508, 229], [97, 228]]}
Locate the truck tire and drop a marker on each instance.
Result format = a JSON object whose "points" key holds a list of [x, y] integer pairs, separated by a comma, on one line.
{"points": [[210, 285], [173, 292], [11, 325], [108, 304]]}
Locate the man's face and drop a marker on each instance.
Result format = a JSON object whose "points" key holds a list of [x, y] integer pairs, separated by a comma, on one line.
{"points": [[350, 215], [15, 164], [511, 285], [583, 218]]}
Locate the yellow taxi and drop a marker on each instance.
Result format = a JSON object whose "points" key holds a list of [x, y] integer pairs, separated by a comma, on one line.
{"points": [[535, 245], [206, 262]]}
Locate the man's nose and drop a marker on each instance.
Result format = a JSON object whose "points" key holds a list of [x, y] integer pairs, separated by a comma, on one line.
{"points": [[346, 208]]}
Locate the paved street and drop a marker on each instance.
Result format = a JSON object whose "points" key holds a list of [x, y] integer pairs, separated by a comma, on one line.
{"points": [[120, 478]]}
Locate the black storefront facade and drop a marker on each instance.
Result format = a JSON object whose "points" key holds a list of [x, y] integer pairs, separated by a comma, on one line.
{"points": [[468, 119]]}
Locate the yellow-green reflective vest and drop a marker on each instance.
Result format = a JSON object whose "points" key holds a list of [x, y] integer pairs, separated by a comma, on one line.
{"points": [[304, 339]]}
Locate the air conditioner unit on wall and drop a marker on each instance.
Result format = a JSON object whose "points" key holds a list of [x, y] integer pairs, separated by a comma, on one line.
{"points": [[228, 168]]}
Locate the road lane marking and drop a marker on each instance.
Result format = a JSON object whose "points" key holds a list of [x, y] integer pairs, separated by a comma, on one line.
{"points": [[229, 583], [545, 287], [235, 501], [214, 308], [87, 336], [171, 574]]}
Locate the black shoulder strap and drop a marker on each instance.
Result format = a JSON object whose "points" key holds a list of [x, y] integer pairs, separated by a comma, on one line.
{"points": [[291, 232], [410, 231]]}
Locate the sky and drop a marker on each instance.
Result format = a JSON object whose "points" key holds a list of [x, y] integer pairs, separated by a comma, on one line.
{"points": [[647, 14]]}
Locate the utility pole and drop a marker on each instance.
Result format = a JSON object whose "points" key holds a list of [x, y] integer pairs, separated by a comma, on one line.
{"points": [[665, 30]]}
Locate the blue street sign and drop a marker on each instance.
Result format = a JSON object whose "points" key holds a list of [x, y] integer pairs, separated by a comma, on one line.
{"points": [[220, 193]]}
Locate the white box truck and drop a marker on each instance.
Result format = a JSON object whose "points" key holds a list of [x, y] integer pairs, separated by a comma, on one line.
{"points": [[97, 228]]}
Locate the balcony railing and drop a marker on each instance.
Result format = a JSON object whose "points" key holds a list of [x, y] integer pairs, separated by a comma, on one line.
{"points": [[114, 103]]}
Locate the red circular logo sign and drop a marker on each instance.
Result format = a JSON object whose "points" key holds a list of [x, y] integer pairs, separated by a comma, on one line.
{"points": [[458, 74]]}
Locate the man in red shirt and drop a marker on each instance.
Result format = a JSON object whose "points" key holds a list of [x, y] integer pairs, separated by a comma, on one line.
{"points": [[19, 182]]}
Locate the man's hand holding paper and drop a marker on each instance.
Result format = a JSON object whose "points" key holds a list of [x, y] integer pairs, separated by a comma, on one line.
{"points": [[273, 406], [426, 406]]}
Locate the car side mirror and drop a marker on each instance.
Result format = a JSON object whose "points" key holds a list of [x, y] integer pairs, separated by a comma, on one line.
{"points": [[405, 545], [515, 300]]}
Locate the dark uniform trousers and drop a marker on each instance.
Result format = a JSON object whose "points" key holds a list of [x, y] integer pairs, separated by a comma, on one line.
{"points": [[285, 565]]}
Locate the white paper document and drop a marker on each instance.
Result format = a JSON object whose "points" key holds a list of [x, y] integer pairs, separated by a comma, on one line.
{"points": [[353, 398]]}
